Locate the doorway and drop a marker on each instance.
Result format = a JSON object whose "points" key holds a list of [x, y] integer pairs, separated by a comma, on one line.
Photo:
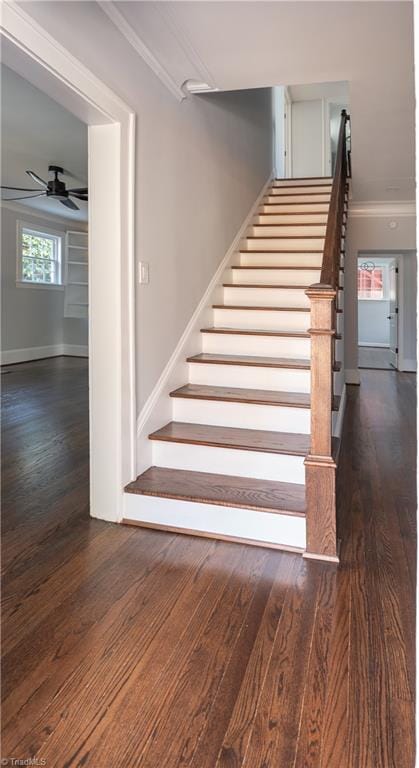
{"points": [[35, 56], [378, 311]]}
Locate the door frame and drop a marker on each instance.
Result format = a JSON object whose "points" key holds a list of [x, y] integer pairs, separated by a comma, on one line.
{"points": [[398, 257], [33, 53]]}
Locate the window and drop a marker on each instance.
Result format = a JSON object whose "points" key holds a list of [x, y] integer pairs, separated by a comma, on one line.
{"points": [[371, 283], [39, 256]]}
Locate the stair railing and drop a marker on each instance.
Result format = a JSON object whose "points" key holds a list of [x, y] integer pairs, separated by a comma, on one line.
{"points": [[320, 464]]}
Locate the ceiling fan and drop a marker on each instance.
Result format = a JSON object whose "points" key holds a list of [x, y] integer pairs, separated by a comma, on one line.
{"points": [[54, 188]]}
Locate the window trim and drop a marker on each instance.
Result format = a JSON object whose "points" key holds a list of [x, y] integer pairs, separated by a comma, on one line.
{"points": [[385, 286], [38, 230]]}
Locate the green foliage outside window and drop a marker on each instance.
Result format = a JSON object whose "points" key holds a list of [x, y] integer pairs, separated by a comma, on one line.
{"points": [[39, 258]]}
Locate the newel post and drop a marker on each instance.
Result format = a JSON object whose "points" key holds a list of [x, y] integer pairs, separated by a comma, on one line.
{"points": [[320, 466]]}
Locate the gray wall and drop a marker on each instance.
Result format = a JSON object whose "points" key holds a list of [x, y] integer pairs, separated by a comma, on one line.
{"points": [[32, 317], [200, 165]]}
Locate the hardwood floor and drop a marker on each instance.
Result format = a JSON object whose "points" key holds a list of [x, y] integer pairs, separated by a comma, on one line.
{"points": [[132, 647], [374, 357]]}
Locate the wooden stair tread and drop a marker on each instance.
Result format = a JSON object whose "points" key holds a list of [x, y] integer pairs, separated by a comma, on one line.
{"points": [[261, 309], [281, 266], [256, 332], [268, 362], [305, 178], [224, 490], [245, 395], [259, 440], [300, 186], [265, 201], [291, 213], [296, 334], [271, 193], [261, 362], [266, 285], [285, 237], [281, 250], [289, 224]]}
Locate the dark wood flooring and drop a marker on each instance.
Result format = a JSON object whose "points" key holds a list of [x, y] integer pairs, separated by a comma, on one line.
{"points": [[375, 357], [130, 647]]}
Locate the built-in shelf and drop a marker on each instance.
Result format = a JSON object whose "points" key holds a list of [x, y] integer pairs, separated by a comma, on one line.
{"points": [[76, 294]]}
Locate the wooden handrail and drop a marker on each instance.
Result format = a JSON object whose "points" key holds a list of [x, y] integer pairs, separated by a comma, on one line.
{"points": [[331, 255], [320, 463]]}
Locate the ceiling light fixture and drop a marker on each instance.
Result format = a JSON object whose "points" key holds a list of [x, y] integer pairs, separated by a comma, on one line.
{"points": [[195, 86]]}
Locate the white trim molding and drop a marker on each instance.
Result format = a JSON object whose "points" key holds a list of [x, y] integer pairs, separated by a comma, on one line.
{"points": [[118, 19], [352, 376], [25, 355], [382, 209]]}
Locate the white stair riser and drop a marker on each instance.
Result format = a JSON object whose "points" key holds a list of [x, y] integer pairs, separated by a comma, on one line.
{"points": [[277, 230], [290, 218], [250, 377], [286, 530], [317, 181], [280, 191], [281, 259], [276, 277], [266, 297], [267, 321], [323, 180], [301, 198], [242, 415], [290, 208], [228, 461], [284, 244], [271, 346]]}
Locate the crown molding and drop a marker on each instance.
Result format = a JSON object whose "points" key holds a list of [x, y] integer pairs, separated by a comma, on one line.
{"points": [[185, 44], [26, 210], [382, 209], [132, 37]]}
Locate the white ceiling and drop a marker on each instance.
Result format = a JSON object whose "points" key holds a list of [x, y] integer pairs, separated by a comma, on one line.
{"points": [[36, 132], [236, 45]]}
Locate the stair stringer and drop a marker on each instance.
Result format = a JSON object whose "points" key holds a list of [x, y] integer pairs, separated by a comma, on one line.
{"points": [[158, 408]]}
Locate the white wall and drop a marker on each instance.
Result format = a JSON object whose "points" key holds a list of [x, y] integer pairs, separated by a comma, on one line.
{"points": [[307, 138], [32, 317], [373, 325], [200, 165], [368, 232]]}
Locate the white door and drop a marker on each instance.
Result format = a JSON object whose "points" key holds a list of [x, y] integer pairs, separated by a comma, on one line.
{"points": [[393, 316]]}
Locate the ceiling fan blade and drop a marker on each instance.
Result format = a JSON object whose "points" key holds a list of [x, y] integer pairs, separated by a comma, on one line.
{"points": [[26, 197], [20, 189], [69, 204], [78, 195], [38, 179], [80, 191]]}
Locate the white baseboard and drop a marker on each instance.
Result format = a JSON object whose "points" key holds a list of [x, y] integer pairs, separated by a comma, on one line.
{"points": [[407, 365], [373, 344], [352, 376], [25, 355], [338, 425], [157, 409], [75, 350]]}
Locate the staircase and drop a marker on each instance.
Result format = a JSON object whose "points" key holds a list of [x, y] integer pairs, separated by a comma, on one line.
{"points": [[248, 456]]}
